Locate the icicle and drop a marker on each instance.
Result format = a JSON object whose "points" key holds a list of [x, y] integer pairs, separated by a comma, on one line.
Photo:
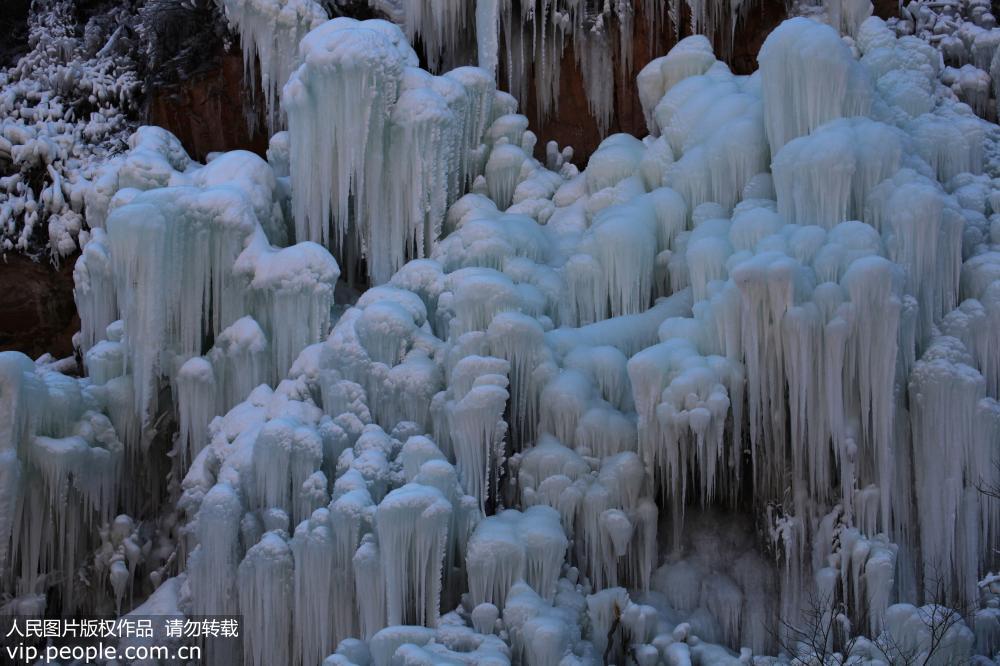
{"points": [[488, 34], [847, 15], [503, 172], [93, 289], [196, 405], [825, 178], [295, 283], [348, 522], [691, 56], [420, 132], [350, 75], [802, 90], [370, 580], [270, 33], [240, 360], [316, 589], [214, 564], [475, 423], [266, 601], [512, 546], [947, 394], [412, 526], [442, 26]]}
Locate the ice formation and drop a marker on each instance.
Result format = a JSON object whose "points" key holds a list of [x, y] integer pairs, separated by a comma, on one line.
{"points": [[67, 105], [730, 387], [269, 34], [385, 111], [966, 35]]}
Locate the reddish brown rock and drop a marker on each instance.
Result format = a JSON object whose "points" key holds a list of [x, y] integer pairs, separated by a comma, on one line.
{"points": [[37, 312], [206, 111], [886, 8]]}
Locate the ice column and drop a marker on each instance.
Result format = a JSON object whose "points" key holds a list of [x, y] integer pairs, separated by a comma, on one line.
{"points": [[412, 527]]}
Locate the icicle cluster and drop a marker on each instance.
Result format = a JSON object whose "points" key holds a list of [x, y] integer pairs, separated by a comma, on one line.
{"points": [[61, 464], [363, 120], [181, 254], [270, 32], [966, 36], [737, 375]]}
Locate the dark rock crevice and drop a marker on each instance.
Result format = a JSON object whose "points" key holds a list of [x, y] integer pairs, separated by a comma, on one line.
{"points": [[37, 311]]}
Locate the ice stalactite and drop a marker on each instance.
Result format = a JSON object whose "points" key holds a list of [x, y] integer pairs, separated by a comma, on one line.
{"points": [[691, 56], [691, 117], [294, 283], [269, 34], [196, 405], [10, 485], [847, 15], [513, 546], [442, 26], [528, 42], [371, 602], [612, 524], [475, 423], [923, 230], [682, 404], [429, 124], [266, 587], [950, 405], [240, 360], [594, 59], [404, 539], [412, 526], [61, 474], [348, 515], [931, 632], [826, 177], [383, 349], [421, 127], [214, 563], [484, 107], [93, 289], [518, 339], [488, 34], [356, 83], [315, 587], [285, 455], [503, 170], [801, 93]]}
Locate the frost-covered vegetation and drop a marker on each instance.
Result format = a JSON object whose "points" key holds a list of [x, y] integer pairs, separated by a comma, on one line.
{"points": [[64, 107], [730, 391]]}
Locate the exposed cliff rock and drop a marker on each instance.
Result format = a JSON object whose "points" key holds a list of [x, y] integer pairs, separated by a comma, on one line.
{"points": [[37, 312], [207, 112]]}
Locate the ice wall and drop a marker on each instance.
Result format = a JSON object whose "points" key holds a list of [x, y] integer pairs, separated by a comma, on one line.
{"points": [[531, 441]]}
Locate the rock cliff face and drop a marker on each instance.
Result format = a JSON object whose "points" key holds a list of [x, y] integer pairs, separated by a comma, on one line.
{"points": [[14, 28], [37, 312], [208, 112]]}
